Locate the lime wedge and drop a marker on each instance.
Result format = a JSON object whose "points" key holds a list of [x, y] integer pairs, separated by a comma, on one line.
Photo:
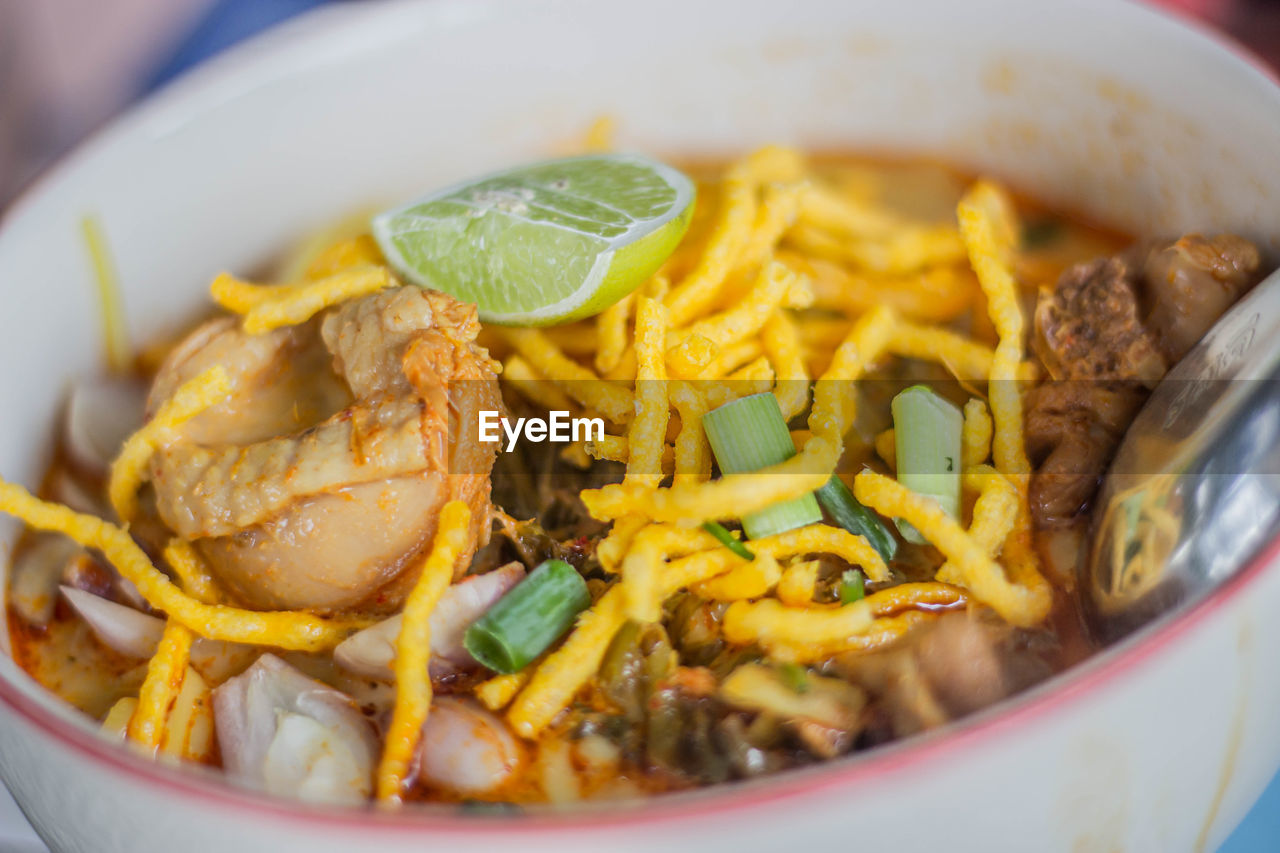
{"points": [[545, 243]]}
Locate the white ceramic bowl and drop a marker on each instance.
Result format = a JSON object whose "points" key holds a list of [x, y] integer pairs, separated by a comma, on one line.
{"points": [[1160, 744]]}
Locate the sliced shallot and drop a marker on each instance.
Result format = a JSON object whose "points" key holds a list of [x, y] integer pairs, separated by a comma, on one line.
{"points": [[122, 628], [101, 414], [36, 574], [466, 749], [371, 651], [290, 735]]}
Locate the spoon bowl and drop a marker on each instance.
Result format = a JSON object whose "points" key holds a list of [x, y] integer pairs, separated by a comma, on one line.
{"points": [[1193, 493]]}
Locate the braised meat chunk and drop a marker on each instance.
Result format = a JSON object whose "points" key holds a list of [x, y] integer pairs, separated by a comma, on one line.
{"points": [[1106, 333], [1191, 282], [1090, 327]]}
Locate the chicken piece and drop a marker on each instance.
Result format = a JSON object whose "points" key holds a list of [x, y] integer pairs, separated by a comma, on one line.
{"points": [[318, 482]]}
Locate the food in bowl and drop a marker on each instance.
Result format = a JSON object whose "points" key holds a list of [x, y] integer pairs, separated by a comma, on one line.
{"points": [[831, 432]]}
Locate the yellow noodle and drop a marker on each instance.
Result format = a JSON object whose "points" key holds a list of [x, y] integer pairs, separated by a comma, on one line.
{"points": [[718, 392], [625, 369], [361, 250], [286, 630], [734, 218], [906, 595], [966, 359], [796, 586], [579, 340], [616, 448], [825, 539], [692, 452], [267, 307], [161, 685], [776, 214], [833, 394], [900, 252], [989, 228], [520, 375], [976, 437], [994, 514], [642, 568], [770, 622], [413, 648], [741, 321], [735, 495], [829, 210], [600, 136], [884, 631], [115, 329], [129, 469], [647, 436], [611, 332], [614, 547], [497, 693], [752, 579], [812, 633], [986, 221], [887, 448], [782, 346], [190, 569], [612, 401], [731, 496], [726, 359], [640, 573], [554, 684], [1017, 604], [939, 294], [759, 370]]}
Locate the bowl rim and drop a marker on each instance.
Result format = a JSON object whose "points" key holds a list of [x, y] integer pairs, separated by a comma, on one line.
{"points": [[1058, 695]]}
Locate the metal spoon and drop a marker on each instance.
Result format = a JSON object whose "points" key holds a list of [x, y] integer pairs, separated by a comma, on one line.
{"points": [[1194, 490]]}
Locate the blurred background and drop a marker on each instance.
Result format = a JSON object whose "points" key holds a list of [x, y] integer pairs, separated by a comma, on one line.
{"points": [[68, 66]]}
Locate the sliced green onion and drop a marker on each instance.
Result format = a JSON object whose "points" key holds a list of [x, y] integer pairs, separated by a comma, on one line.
{"points": [[795, 677], [852, 587], [1040, 232], [728, 540], [926, 431], [846, 512], [747, 435], [528, 619]]}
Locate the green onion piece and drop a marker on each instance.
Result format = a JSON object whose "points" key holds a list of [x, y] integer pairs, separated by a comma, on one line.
{"points": [[747, 435], [846, 512], [1040, 233], [852, 587], [529, 618], [926, 431], [795, 677], [728, 540]]}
